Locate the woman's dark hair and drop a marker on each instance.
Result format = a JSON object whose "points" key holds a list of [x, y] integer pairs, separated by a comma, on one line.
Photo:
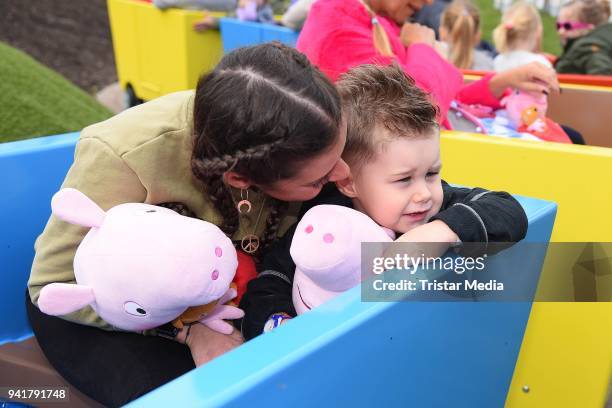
{"points": [[260, 113]]}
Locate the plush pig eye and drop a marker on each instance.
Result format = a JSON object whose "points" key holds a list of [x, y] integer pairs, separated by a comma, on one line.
{"points": [[134, 309]]}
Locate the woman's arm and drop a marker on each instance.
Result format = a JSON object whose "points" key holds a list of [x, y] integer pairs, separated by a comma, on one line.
{"points": [[534, 77], [344, 49]]}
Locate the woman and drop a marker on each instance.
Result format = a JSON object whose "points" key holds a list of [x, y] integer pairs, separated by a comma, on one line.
{"points": [[341, 34], [264, 125]]}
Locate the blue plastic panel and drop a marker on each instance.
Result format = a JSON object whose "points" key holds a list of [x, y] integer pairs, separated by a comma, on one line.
{"points": [[32, 171], [344, 353], [236, 34], [351, 353]]}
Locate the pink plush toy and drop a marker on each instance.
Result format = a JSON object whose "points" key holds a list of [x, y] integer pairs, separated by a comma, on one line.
{"points": [[326, 249], [527, 112], [141, 266]]}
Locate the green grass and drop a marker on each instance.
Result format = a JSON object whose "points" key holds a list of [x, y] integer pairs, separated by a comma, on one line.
{"points": [[490, 18], [36, 101]]}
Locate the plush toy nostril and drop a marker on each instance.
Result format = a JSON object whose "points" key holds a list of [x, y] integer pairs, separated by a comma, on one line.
{"points": [[218, 252], [328, 238], [215, 275], [309, 229]]}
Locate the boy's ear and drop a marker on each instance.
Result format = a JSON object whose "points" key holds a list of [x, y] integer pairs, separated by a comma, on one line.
{"points": [[347, 186], [236, 180]]}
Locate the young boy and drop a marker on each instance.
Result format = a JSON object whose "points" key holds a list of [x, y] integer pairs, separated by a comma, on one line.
{"points": [[393, 151]]}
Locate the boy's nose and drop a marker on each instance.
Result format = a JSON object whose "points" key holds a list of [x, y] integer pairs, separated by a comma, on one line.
{"points": [[340, 171], [422, 195]]}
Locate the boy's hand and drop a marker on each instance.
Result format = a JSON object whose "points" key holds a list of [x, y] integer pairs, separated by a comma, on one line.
{"points": [[206, 344], [436, 237]]}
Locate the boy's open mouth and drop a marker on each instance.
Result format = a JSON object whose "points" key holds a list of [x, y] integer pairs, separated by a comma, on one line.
{"points": [[417, 215]]}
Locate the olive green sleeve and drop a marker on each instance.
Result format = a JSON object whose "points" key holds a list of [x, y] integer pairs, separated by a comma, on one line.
{"points": [[598, 63], [104, 177], [588, 56]]}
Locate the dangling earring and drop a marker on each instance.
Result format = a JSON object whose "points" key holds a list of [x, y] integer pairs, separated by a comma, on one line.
{"points": [[244, 202]]}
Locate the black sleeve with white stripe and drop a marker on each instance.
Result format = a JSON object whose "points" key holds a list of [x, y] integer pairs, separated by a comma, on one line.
{"points": [[478, 215]]}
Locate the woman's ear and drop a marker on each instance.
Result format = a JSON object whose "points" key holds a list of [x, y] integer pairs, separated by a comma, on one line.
{"points": [[235, 180], [347, 186]]}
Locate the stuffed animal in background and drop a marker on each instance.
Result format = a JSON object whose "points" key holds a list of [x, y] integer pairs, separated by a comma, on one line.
{"points": [[527, 113], [326, 249], [141, 266]]}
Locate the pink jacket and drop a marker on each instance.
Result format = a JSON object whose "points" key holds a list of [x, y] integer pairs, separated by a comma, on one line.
{"points": [[337, 36]]}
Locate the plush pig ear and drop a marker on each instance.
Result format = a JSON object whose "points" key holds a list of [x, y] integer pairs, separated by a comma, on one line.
{"points": [[58, 299], [72, 206]]}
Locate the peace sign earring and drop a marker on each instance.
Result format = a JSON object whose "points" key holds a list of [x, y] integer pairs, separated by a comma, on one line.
{"points": [[244, 202]]}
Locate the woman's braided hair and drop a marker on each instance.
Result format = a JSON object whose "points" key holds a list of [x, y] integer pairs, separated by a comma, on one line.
{"points": [[261, 113]]}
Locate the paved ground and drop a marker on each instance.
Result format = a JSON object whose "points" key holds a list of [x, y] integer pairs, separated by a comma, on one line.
{"points": [[112, 97], [69, 36]]}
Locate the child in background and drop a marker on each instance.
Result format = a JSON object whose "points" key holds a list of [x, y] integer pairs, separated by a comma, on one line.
{"points": [[295, 16], [210, 5], [460, 30], [393, 151], [586, 36], [518, 38], [257, 11]]}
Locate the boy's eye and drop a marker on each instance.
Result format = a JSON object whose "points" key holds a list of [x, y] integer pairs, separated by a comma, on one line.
{"points": [[405, 179], [433, 173]]}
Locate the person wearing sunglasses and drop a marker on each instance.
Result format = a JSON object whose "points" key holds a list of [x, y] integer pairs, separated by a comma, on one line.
{"points": [[586, 36]]}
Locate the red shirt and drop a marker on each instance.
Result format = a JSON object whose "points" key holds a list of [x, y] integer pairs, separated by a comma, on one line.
{"points": [[337, 36]]}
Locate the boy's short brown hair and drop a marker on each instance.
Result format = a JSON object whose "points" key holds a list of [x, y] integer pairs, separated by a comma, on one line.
{"points": [[375, 96]]}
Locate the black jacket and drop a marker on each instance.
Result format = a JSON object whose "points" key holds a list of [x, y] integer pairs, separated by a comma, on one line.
{"points": [[475, 215], [590, 54]]}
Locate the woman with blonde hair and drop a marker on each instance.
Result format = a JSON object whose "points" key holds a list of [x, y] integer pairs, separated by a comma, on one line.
{"points": [[460, 31], [518, 38]]}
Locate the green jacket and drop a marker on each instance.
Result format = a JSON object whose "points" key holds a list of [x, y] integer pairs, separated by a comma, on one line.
{"points": [[591, 54], [141, 155]]}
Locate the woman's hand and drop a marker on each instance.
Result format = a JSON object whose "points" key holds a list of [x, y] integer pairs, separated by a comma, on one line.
{"points": [[413, 33], [206, 344], [208, 22], [533, 77]]}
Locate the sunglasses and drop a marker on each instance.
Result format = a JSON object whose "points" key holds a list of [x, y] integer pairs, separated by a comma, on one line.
{"points": [[572, 25]]}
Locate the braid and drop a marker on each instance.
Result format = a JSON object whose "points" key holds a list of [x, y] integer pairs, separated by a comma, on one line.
{"points": [[180, 208], [221, 197], [273, 224], [210, 172]]}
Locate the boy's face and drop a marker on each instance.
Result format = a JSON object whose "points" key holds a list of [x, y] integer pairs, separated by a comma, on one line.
{"points": [[400, 188]]}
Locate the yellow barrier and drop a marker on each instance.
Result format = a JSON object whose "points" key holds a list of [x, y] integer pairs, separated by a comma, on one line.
{"points": [[566, 355], [158, 52]]}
